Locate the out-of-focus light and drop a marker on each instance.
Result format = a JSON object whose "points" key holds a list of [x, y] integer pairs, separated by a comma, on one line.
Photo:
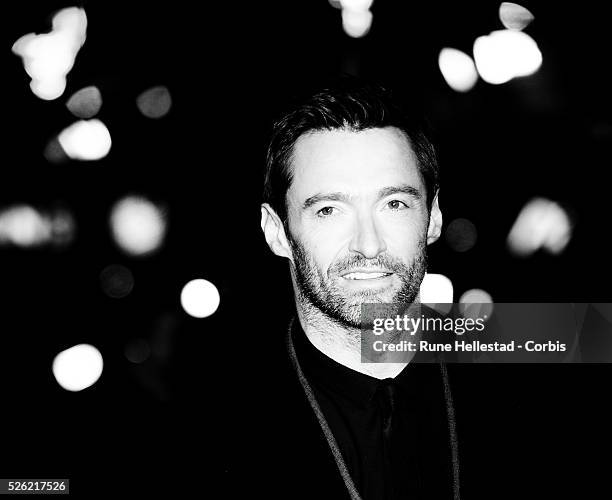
{"points": [[137, 351], [116, 281], [336, 4], [86, 140], [461, 235], [514, 16], [506, 54], [476, 296], [54, 153], [48, 89], [540, 224], [437, 292], [78, 367], [24, 226], [356, 23], [476, 303], [200, 298], [62, 227], [356, 5], [154, 102], [85, 103], [458, 69], [48, 57], [138, 225]]}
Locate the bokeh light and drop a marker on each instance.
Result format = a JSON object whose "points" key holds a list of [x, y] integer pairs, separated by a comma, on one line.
{"points": [[86, 140], [506, 54], [137, 351], [200, 298], [476, 303], [541, 224], [356, 23], [47, 58], [78, 367], [138, 225], [63, 227], [48, 89], [24, 226], [461, 235], [458, 69], [356, 5], [154, 102], [54, 153], [116, 281], [514, 16], [437, 292], [85, 103]]}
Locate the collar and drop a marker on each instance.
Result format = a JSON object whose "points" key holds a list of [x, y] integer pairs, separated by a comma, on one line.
{"points": [[327, 374]]}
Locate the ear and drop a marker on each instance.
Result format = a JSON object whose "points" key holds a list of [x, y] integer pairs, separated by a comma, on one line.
{"points": [[435, 221], [274, 232]]}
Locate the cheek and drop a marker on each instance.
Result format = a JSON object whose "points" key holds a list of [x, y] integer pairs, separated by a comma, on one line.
{"points": [[413, 222], [406, 241], [324, 256], [323, 248]]}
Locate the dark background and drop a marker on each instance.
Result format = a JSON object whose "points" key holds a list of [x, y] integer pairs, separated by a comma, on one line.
{"points": [[229, 66]]}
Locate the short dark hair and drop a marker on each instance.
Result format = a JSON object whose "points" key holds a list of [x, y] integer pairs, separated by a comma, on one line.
{"points": [[348, 103]]}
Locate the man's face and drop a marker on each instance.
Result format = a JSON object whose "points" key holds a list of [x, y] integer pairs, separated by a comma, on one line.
{"points": [[357, 221]]}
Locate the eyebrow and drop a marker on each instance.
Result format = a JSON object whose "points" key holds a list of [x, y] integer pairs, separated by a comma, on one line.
{"points": [[384, 192]]}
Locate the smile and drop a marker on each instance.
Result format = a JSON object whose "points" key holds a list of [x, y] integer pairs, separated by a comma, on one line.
{"points": [[365, 276]]}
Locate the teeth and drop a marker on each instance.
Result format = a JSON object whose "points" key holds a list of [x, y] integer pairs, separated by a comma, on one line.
{"points": [[364, 276]]}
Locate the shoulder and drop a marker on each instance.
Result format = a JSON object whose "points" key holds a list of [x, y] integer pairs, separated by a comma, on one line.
{"points": [[278, 447]]}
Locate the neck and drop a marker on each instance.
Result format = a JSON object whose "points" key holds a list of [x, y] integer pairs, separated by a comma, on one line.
{"points": [[341, 343]]}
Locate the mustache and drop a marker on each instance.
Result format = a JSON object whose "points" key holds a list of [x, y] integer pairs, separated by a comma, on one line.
{"points": [[357, 262]]}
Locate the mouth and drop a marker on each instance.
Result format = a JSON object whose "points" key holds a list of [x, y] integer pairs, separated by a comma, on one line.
{"points": [[365, 275]]}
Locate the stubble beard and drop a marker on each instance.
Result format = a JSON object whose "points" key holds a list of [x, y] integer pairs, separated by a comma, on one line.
{"points": [[319, 291]]}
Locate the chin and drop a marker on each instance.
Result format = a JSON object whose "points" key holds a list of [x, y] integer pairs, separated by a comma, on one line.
{"points": [[382, 295]]}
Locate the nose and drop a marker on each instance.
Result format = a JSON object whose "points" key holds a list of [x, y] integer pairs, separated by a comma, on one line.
{"points": [[367, 239]]}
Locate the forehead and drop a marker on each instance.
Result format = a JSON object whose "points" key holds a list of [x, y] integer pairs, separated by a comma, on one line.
{"points": [[358, 163]]}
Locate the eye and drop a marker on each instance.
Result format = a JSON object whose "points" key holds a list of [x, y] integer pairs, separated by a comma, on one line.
{"points": [[325, 211], [396, 205]]}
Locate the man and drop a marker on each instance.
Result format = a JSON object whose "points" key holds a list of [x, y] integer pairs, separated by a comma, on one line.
{"points": [[351, 201]]}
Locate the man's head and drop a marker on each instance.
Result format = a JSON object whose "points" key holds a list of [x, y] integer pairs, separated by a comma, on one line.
{"points": [[350, 198]]}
